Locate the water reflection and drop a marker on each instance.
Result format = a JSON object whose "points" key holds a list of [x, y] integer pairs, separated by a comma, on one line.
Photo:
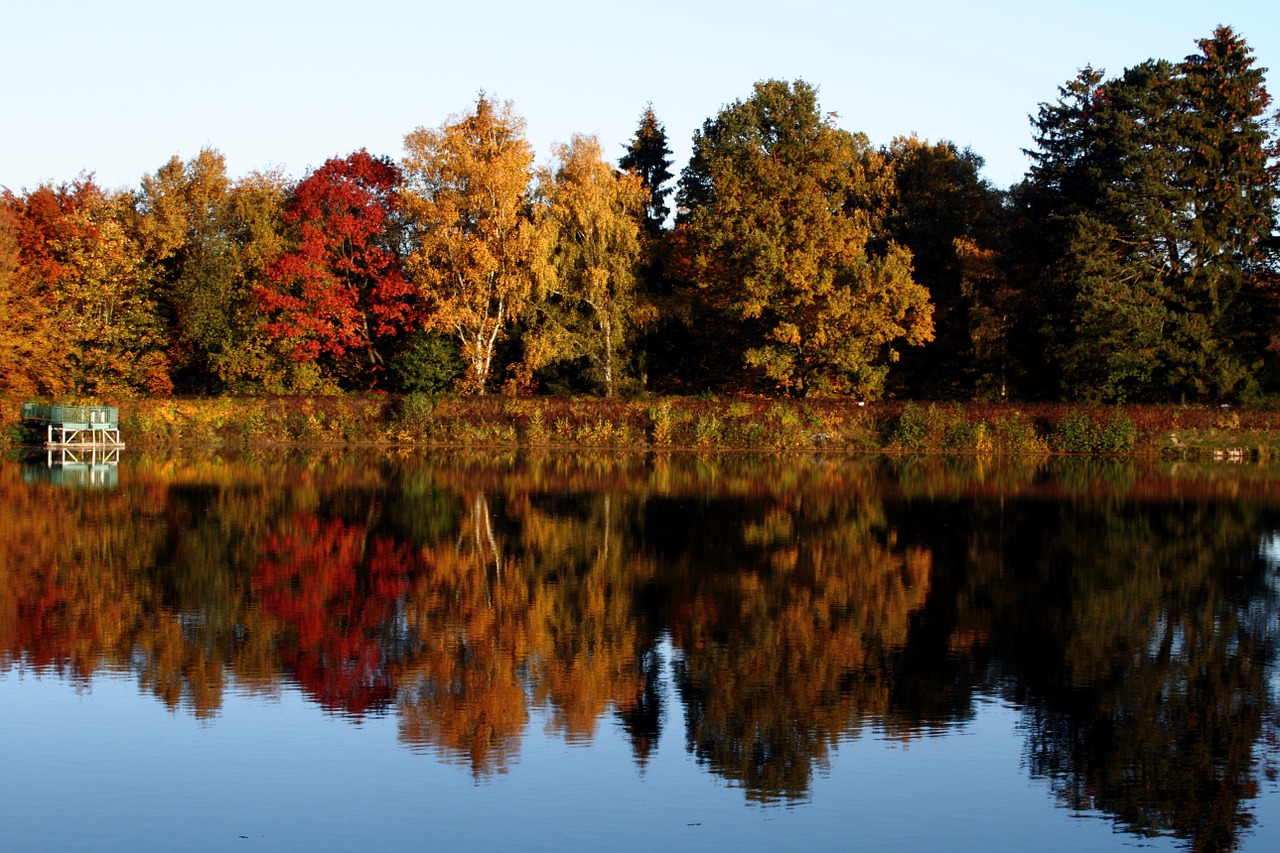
{"points": [[1129, 611], [90, 466]]}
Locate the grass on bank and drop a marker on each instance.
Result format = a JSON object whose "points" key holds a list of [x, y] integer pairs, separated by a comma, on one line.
{"points": [[672, 423]]}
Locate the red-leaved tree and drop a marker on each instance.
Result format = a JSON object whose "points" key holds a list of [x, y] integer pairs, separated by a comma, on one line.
{"points": [[340, 298]]}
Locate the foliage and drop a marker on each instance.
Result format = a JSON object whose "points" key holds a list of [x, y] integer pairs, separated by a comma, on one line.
{"points": [[107, 309], [27, 340], [1157, 207], [428, 363], [1077, 432], [1138, 262], [250, 359], [415, 411], [208, 242], [784, 234], [952, 221], [478, 254], [340, 298], [589, 309], [80, 260], [649, 158], [185, 231]]}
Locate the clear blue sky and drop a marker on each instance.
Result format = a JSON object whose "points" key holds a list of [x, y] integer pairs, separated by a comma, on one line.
{"points": [[117, 88]]}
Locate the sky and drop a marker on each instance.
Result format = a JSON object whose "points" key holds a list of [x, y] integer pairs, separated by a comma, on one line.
{"points": [[118, 88]]}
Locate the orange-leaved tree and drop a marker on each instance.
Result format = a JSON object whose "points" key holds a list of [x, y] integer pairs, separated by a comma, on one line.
{"points": [[27, 338], [478, 252]]}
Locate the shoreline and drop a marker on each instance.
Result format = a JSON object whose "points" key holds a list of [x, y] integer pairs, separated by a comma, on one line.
{"points": [[1177, 432]]}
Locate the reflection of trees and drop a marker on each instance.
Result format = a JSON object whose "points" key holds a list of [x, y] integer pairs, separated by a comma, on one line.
{"points": [[462, 694], [1137, 639], [334, 588], [784, 647], [75, 596], [641, 717], [530, 604], [577, 554], [1125, 611]]}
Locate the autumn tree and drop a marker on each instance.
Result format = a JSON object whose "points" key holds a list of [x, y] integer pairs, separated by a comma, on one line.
{"points": [[209, 242], [588, 312], [27, 338], [340, 298], [40, 220], [784, 235], [80, 244], [251, 359], [649, 157], [477, 251], [187, 234]]}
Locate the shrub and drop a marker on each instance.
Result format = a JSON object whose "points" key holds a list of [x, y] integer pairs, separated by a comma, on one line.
{"points": [[415, 413], [1117, 435], [1074, 434], [428, 364], [661, 424], [1077, 432], [911, 429], [965, 436], [706, 431], [1015, 433], [536, 431]]}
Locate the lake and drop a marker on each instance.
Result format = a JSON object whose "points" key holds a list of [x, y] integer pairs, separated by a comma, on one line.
{"points": [[489, 650]]}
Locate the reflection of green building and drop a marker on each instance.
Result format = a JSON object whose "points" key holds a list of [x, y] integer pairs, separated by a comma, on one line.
{"points": [[75, 426], [96, 467]]}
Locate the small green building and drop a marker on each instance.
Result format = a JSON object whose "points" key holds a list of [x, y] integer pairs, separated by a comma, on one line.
{"points": [[75, 426]]}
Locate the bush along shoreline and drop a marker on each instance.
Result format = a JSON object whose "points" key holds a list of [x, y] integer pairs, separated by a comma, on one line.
{"points": [[689, 423]]}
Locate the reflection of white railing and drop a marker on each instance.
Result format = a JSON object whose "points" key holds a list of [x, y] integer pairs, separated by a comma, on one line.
{"points": [[91, 466], [91, 455]]}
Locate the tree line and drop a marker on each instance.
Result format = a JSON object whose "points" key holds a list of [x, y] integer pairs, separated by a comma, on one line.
{"points": [[1138, 260]]}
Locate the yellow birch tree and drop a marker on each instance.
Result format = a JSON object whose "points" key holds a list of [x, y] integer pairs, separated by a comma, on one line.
{"points": [[589, 310], [478, 252]]}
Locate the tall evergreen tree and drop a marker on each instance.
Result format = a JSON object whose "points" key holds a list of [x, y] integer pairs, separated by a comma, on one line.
{"points": [[649, 157], [1155, 208], [1230, 213]]}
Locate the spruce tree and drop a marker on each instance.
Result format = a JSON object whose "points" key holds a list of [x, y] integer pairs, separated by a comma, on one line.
{"points": [[648, 156], [1155, 209], [1228, 220]]}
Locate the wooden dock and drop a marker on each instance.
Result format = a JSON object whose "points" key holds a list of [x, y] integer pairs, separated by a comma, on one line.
{"points": [[75, 426]]}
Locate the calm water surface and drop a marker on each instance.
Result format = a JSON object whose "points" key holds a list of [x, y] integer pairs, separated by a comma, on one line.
{"points": [[365, 651]]}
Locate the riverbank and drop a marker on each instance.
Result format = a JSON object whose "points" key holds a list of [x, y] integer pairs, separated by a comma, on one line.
{"points": [[1183, 432]]}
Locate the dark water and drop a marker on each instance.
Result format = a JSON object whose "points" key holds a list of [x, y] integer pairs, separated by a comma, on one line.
{"points": [[458, 652]]}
